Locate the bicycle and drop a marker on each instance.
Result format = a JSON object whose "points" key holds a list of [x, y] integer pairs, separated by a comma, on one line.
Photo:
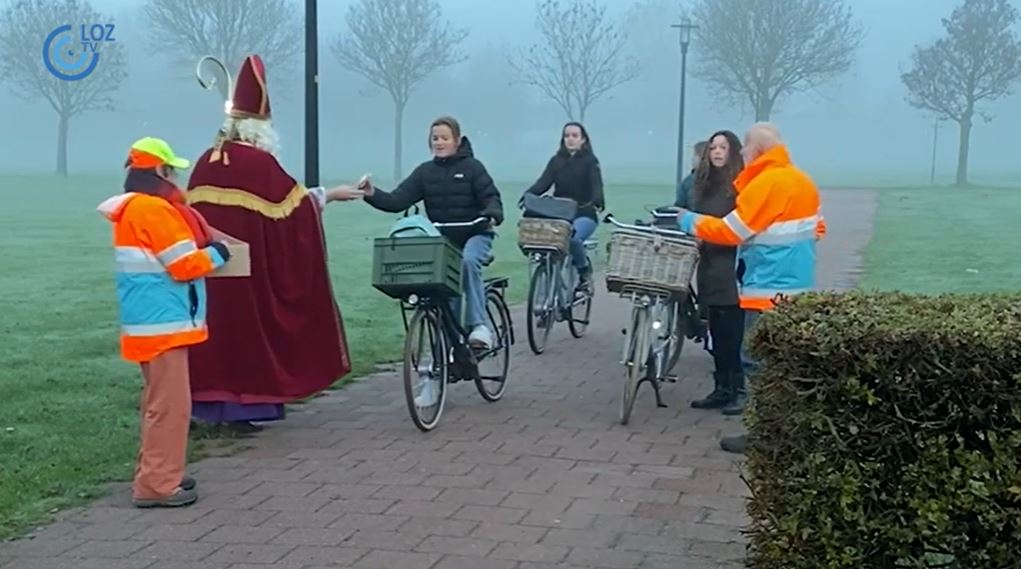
{"points": [[554, 294], [553, 278], [653, 267], [691, 321], [436, 347]]}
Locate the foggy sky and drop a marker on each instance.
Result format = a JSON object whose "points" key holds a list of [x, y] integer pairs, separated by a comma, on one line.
{"points": [[858, 129]]}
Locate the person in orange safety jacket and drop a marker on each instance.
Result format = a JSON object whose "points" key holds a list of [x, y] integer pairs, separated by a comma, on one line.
{"points": [[776, 223], [162, 250]]}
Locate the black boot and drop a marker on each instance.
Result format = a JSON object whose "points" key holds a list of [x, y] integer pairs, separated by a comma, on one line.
{"points": [[737, 403], [737, 444], [719, 398]]}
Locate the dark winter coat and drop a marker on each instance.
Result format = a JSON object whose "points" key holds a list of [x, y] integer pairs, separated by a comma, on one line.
{"points": [[454, 188], [717, 267], [684, 190], [576, 176]]}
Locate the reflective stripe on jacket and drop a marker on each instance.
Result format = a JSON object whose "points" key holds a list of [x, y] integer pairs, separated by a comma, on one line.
{"points": [[776, 221], [159, 276]]}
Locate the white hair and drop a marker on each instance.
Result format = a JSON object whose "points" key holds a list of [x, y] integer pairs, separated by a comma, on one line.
{"points": [[761, 138], [766, 134], [257, 132]]}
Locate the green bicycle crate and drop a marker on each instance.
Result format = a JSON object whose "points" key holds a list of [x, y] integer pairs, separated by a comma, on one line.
{"points": [[426, 266]]}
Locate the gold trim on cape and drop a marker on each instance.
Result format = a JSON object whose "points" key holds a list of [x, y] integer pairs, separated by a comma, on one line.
{"points": [[239, 198]]}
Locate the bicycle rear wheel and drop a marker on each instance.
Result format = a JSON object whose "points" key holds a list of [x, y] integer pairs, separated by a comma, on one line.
{"points": [[425, 369], [492, 384], [540, 316], [635, 361]]}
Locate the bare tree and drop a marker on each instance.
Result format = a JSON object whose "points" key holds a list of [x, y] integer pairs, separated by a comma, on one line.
{"points": [[764, 50], [978, 60], [580, 58], [25, 26], [229, 30], [395, 44], [650, 35]]}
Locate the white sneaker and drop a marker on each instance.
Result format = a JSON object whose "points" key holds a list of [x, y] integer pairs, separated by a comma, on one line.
{"points": [[481, 337], [429, 395]]}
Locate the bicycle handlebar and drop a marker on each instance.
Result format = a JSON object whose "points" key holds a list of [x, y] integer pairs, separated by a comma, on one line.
{"points": [[471, 223], [647, 228], [664, 214]]}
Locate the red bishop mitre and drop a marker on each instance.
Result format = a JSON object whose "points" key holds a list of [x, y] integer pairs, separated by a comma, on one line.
{"points": [[251, 95]]}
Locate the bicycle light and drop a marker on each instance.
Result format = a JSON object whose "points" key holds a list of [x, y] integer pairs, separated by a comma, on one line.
{"points": [[656, 325]]}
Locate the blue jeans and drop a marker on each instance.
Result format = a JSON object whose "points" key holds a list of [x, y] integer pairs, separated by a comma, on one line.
{"points": [[749, 363], [477, 250], [584, 227]]}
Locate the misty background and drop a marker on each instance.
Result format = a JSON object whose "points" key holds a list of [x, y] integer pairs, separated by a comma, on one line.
{"points": [[855, 130]]}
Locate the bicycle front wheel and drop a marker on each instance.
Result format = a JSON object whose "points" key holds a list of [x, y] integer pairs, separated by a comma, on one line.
{"points": [[540, 315], [635, 361], [680, 312], [425, 369]]}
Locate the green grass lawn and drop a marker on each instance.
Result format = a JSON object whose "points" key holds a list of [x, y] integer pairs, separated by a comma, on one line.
{"points": [[936, 240], [68, 408]]}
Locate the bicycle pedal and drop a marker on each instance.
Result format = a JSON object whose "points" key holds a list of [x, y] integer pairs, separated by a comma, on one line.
{"points": [[670, 378]]}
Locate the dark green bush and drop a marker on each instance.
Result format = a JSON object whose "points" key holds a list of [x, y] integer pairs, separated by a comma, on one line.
{"points": [[886, 432]]}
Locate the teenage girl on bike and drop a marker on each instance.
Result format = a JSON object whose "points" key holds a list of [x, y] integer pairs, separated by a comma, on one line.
{"points": [[455, 187], [575, 174]]}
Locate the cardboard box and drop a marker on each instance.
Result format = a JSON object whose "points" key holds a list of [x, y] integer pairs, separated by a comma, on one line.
{"points": [[240, 262]]}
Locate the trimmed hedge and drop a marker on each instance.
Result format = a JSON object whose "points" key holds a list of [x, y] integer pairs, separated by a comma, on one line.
{"points": [[885, 432]]}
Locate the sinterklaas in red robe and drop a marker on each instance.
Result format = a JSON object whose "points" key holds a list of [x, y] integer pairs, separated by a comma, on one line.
{"points": [[277, 335]]}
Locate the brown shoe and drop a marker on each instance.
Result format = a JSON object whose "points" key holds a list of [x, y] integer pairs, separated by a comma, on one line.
{"points": [[176, 500]]}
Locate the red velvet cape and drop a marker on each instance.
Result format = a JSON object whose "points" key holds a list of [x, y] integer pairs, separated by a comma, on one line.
{"points": [[277, 335]]}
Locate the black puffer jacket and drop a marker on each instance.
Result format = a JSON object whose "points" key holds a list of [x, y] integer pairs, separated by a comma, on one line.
{"points": [[454, 188], [717, 274], [576, 176]]}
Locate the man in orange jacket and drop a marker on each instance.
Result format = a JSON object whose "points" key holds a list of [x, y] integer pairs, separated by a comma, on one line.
{"points": [[163, 250], [776, 223]]}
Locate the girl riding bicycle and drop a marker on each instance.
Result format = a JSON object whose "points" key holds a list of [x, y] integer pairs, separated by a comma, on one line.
{"points": [[455, 187], [575, 173]]}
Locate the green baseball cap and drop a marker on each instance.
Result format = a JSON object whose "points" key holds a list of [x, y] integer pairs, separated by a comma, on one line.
{"points": [[158, 150]]}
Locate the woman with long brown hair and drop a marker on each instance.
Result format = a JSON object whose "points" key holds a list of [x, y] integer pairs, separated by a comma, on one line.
{"points": [[714, 194], [574, 173]]}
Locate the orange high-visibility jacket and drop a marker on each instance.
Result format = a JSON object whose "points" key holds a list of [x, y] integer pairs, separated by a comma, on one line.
{"points": [[776, 223], [159, 275]]}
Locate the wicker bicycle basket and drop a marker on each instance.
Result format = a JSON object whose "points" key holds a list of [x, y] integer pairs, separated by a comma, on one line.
{"points": [[538, 233], [640, 260]]}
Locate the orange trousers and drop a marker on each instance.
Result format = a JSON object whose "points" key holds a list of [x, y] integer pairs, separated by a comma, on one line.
{"points": [[165, 419]]}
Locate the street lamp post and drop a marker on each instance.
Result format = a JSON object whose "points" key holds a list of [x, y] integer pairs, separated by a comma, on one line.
{"points": [[685, 28], [311, 95]]}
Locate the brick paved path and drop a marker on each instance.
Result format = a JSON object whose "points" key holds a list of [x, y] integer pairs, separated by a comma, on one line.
{"points": [[545, 478]]}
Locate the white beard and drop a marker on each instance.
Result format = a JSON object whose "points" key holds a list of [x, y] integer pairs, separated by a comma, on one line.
{"points": [[257, 132]]}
